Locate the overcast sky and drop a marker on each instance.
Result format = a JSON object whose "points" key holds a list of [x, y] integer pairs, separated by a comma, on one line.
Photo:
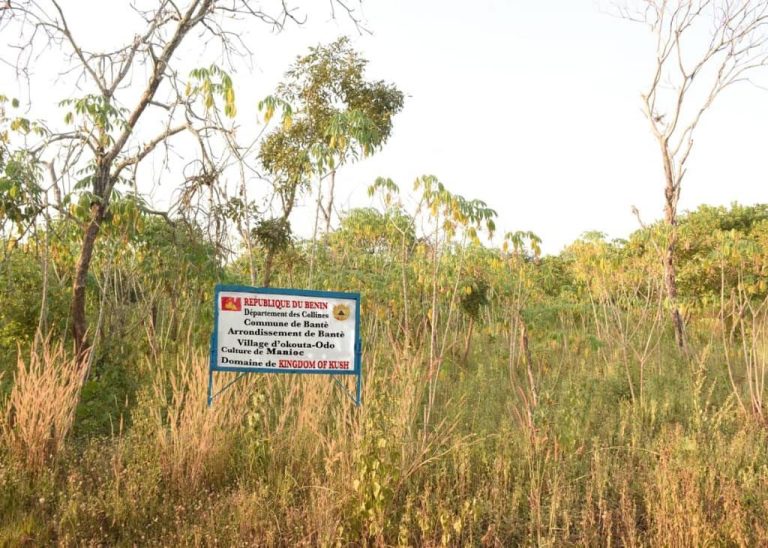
{"points": [[532, 106]]}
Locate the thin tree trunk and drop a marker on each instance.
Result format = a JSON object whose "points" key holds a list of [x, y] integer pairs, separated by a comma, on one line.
{"points": [[289, 200], [528, 360], [670, 284], [267, 275], [671, 197], [42, 322], [251, 261], [314, 231], [468, 344], [404, 280], [328, 211], [246, 231], [513, 331], [79, 321], [433, 318]]}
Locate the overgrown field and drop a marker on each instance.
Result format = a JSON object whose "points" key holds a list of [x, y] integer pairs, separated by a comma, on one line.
{"points": [[509, 398]]}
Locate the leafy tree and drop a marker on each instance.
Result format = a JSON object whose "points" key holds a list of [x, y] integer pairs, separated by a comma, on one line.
{"points": [[21, 197], [107, 128], [721, 250], [330, 115], [372, 232]]}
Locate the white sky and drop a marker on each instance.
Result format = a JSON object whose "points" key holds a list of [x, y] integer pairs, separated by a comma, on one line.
{"points": [[531, 106]]}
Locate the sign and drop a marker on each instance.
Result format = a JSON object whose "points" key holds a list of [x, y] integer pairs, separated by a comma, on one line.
{"points": [[269, 330]]}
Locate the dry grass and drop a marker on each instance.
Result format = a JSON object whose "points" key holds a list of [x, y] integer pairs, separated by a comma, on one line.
{"points": [[40, 409], [289, 460], [194, 440]]}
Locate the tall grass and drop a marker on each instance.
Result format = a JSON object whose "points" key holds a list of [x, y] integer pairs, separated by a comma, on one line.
{"points": [[194, 441], [573, 425], [284, 460], [40, 409]]}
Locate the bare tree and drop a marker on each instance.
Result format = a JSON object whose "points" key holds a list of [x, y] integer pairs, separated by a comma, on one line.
{"points": [[126, 91], [702, 48]]}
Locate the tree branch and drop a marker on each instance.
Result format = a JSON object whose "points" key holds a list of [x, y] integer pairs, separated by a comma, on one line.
{"points": [[78, 51], [196, 9], [147, 149]]}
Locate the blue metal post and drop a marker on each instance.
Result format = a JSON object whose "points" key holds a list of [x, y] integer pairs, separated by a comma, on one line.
{"points": [[210, 385]]}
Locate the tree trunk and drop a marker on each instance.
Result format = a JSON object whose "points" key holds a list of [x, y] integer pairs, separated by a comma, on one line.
{"points": [[289, 200], [671, 198], [528, 360], [404, 280], [468, 343], [327, 211], [267, 275], [434, 314], [79, 321], [314, 230], [670, 285]]}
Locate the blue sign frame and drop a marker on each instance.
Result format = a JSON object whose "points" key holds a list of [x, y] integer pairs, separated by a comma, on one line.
{"points": [[213, 368]]}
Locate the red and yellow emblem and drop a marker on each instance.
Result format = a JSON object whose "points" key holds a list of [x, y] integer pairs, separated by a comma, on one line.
{"points": [[232, 304], [341, 312]]}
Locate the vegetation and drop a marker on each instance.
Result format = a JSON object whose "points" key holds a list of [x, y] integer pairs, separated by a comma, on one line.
{"points": [[573, 418], [702, 49], [509, 398]]}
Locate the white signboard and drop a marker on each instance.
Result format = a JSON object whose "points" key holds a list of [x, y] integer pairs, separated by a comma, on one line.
{"points": [[285, 331]]}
